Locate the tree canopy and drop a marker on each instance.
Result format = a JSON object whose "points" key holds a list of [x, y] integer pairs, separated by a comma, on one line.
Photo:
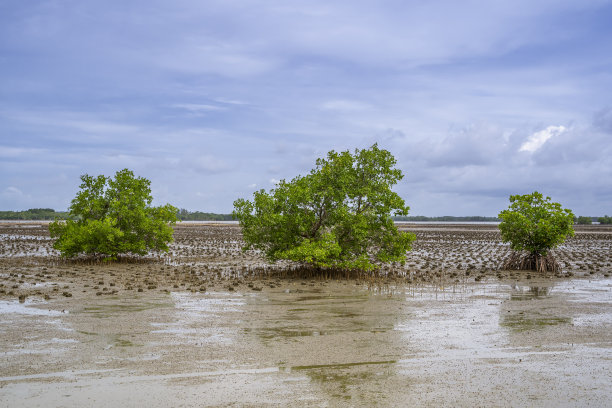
{"points": [[605, 219], [338, 216], [582, 220], [535, 224], [112, 217]]}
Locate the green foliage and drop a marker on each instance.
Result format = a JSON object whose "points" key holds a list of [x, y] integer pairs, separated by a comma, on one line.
{"points": [[112, 217], [605, 220], [535, 224], [584, 220], [338, 216]]}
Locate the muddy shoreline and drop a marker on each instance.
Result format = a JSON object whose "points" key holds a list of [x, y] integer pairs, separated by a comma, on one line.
{"points": [[212, 326]]}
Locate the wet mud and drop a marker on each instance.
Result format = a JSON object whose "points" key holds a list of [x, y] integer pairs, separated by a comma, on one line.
{"points": [[171, 332]]}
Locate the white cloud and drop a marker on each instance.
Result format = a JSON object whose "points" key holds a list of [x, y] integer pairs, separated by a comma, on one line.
{"points": [[345, 105], [13, 191], [12, 198], [537, 140], [211, 56], [89, 123], [9, 152], [231, 101], [195, 107], [208, 164]]}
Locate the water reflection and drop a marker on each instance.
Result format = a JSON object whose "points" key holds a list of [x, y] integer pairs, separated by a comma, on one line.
{"points": [[529, 316], [328, 313], [338, 338], [351, 381], [529, 292], [521, 321]]}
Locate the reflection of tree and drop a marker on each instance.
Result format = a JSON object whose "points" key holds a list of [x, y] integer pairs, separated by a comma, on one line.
{"points": [[530, 292], [525, 315], [346, 382], [343, 340], [539, 291]]}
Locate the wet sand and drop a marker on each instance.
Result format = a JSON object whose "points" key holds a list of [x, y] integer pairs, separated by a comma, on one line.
{"points": [[270, 341]]}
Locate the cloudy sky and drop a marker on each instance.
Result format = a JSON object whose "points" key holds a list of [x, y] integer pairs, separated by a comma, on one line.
{"points": [[212, 100]]}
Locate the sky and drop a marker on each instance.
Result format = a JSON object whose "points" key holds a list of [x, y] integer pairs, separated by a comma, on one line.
{"points": [[213, 100]]}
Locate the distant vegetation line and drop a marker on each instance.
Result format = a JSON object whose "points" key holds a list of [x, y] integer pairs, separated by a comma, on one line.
{"points": [[34, 214], [186, 215], [49, 214], [446, 218]]}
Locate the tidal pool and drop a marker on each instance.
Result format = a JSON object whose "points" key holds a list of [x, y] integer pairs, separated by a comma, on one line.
{"points": [[315, 343]]}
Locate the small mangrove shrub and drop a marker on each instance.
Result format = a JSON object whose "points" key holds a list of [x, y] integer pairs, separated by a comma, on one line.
{"points": [[114, 216], [534, 225]]}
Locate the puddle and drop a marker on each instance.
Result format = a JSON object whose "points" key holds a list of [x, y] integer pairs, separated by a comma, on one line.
{"points": [[117, 341], [529, 292], [343, 365], [29, 307], [145, 357], [328, 297], [192, 314], [460, 323], [71, 374], [108, 310], [194, 335], [271, 333], [582, 290], [38, 285], [210, 303], [301, 302], [591, 320], [52, 346]]}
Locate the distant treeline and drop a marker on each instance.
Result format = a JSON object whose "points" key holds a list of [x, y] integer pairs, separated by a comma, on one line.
{"points": [[50, 214], [185, 215], [583, 220], [34, 214], [605, 220], [446, 218]]}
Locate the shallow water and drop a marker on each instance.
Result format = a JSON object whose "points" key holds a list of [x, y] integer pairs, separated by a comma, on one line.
{"points": [[316, 344], [29, 307]]}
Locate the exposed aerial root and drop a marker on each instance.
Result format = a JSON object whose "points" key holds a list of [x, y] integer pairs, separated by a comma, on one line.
{"points": [[531, 262]]}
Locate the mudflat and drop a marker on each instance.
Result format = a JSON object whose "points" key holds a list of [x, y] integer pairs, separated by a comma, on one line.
{"points": [[208, 325]]}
